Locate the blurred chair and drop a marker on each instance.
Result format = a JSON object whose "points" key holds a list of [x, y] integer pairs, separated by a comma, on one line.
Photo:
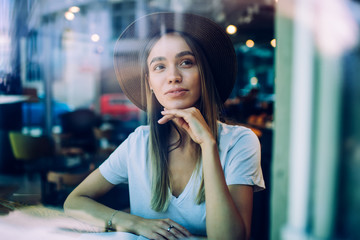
{"points": [[36, 155], [61, 179], [61, 183], [77, 146], [77, 131], [31, 153]]}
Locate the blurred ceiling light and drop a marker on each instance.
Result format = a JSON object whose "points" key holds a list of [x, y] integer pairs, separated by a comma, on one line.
{"points": [[254, 81], [250, 43], [95, 37], [74, 9], [273, 42], [69, 16], [231, 29]]}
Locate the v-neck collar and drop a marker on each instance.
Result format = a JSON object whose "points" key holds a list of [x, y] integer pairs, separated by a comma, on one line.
{"points": [[185, 191]]}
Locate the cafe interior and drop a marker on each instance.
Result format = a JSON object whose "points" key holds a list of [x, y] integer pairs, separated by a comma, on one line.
{"points": [[62, 111]]}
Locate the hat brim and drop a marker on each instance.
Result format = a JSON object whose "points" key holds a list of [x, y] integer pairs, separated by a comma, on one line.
{"points": [[216, 44]]}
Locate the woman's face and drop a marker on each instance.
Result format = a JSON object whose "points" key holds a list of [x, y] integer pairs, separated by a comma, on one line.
{"points": [[173, 73]]}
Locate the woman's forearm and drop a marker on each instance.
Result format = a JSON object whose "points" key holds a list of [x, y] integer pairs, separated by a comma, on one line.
{"points": [[223, 220], [97, 214]]}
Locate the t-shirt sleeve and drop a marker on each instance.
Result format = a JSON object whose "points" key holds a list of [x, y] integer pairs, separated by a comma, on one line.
{"points": [[115, 168], [243, 164]]}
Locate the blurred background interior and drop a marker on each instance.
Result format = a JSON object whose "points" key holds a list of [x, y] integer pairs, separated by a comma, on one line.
{"points": [[62, 111]]}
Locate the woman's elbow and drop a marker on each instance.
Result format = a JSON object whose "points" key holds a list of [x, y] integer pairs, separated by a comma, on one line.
{"points": [[69, 203]]}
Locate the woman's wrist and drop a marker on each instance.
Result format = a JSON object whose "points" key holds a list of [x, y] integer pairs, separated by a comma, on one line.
{"points": [[208, 144], [109, 225], [125, 222]]}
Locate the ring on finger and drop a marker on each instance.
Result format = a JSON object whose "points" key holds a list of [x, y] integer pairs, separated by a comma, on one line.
{"points": [[169, 228]]}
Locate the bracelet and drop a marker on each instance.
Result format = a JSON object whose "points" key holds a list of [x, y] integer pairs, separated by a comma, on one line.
{"points": [[109, 226]]}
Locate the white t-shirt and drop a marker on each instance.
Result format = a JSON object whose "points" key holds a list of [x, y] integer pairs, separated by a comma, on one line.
{"points": [[239, 151]]}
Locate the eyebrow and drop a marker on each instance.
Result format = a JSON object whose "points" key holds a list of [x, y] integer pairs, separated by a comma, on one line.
{"points": [[184, 53], [179, 55], [155, 59]]}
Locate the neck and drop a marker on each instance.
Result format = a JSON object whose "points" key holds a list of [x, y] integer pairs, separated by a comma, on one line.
{"points": [[175, 135]]}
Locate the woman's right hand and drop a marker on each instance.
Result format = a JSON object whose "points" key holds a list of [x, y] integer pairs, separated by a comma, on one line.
{"points": [[161, 229]]}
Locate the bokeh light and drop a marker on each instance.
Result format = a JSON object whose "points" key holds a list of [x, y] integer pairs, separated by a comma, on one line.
{"points": [[273, 42], [250, 43], [254, 81], [231, 29], [95, 37], [74, 9], [69, 16]]}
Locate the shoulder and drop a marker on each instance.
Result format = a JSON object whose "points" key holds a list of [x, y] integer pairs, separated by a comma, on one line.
{"points": [[141, 132], [233, 134], [138, 137], [240, 155]]}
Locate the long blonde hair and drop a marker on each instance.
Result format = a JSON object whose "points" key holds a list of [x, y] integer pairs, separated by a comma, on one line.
{"points": [[159, 147]]}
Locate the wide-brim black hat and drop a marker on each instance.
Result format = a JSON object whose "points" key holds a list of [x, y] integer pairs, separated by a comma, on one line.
{"points": [[213, 40]]}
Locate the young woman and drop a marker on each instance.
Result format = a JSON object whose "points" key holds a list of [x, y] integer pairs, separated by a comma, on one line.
{"points": [[188, 173]]}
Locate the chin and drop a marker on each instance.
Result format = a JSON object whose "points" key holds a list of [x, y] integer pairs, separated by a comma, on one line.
{"points": [[179, 103], [179, 106]]}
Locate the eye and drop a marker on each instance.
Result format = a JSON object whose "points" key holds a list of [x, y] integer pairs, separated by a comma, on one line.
{"points": [[158, 67], [187, 63]]}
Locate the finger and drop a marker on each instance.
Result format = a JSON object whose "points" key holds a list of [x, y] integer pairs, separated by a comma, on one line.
{"points": [[165, 119], [180, 121], [174, 229], [166, 225], [180, 228], [167, 234], [156, 236], [190, 120], [172, 116], [180, 117], [177, 233], [188, 115], [175, 112]]}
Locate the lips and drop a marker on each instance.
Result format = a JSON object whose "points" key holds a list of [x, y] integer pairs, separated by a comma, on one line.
{"points": [[176, 91]]}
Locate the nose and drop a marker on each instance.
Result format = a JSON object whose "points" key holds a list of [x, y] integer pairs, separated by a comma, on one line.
{"points": [[174, 75]]}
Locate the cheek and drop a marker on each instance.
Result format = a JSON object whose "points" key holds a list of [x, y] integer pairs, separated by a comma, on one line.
{"points": [[152, 81], [156, 88], [197, 84], [154, 85]]}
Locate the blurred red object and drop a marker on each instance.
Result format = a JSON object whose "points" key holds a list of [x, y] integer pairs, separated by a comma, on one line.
{"points": [[118, 106]]}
